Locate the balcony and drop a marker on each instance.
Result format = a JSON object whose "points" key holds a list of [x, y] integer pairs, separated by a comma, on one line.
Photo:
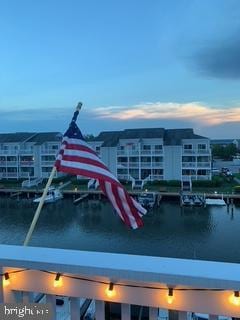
{"points": [[47, 163], [136, 152], [188, 164], [49, 151], [26, 152], [9, 152], [196, 152], [196, 177], [198, 286], [26, 163], [157, 164], [204, 164], [6, 175], [154, 177]]}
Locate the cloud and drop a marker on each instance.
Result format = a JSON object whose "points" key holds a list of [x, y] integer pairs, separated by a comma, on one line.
{"points": [[193, 112], [220, 60]]}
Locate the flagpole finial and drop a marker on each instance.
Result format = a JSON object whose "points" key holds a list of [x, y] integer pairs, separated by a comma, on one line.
{"points": [[79, 106]]}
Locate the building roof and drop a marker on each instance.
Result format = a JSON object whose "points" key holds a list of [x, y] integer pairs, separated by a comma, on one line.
{"points": [[41, 137], [146, 133], [175, 136], [37, 138], [15, 137], [170, 136]]}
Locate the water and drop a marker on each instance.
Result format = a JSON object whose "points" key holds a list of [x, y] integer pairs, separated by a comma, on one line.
{"points": [[210, 233]]}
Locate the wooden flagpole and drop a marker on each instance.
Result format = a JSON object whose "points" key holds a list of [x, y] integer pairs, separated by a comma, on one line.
{"points": [[40, 205], [39, 208]]}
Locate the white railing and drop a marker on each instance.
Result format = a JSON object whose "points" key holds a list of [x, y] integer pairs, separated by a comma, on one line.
{"points": [[154, 177], [123, 176], [49, 151], [26, 151], [137, 280], [157, 164], [197, 177], [47, 163], [137, 152], [133, 164], [27, 163], [204, 164], [196, 151], [189, 164], [9, 152], [7, 175]]}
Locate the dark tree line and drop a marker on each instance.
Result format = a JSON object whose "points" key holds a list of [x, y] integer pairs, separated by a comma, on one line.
{"points": [[224, 152]]}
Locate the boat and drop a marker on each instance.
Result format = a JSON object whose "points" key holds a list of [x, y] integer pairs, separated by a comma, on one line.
{"points": [[198, 200], [195, 200], [53, 195], [187, 200], [149, 199], [215, 202]]}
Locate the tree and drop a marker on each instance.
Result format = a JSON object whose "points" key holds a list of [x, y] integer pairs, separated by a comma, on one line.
{"points": [[89, 137], [224, 152]]}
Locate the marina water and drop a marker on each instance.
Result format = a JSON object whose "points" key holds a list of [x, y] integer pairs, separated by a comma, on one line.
{"points": [[210, 233]]}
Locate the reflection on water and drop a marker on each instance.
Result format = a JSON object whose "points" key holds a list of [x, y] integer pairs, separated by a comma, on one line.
{"points": [[210, 233]]}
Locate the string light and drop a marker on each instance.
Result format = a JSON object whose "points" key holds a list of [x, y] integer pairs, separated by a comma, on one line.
{"points": [[170, 296], [6, 279], [58, 281], [110, 292], [235, 298]]}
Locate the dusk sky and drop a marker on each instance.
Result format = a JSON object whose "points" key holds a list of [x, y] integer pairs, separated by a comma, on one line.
{"points": [[133, 64]]}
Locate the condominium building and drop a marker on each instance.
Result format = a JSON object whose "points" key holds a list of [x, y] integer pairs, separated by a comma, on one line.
{"points": [[152, 154], [155, 154], [28, 155]]}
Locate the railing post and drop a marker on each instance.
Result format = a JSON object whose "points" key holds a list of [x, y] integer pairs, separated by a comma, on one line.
{"points": [[153, 313], [172, 315], [1, 286], [125, 311], [182, 315], [27, 297], [51, 299], [74, 308], [100, 310]]}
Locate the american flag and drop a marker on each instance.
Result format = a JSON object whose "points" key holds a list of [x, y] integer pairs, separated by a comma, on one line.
{"points": [[78, 158]]}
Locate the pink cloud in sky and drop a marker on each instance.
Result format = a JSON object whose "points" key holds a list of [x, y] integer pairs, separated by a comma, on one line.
{"points": [[194, 112]]}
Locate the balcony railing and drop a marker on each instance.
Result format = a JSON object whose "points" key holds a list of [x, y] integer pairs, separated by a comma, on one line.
{"points": [[26, 151], [196, 151], [196, 177], [9, 152], [204, 164], [137, 153], [27, 163], [49, 151], [7, 175], [198, 286], [48, 163], [154, 177]]}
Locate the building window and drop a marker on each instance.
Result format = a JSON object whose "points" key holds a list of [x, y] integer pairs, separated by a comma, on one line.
{"points": [[202, 146], [188, 159], [158, 147], [122, 159], [146, 147], [202, 172], [146, 159], [187, 146]]}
